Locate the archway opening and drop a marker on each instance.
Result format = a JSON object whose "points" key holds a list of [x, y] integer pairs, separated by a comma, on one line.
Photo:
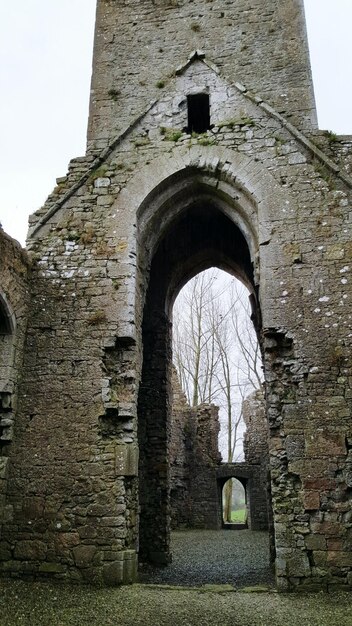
{"points": [[199, 237], [234, 503], [217, 365]]}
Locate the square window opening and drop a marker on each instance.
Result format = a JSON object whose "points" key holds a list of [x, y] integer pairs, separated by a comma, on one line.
{"points": [[198, 113]]}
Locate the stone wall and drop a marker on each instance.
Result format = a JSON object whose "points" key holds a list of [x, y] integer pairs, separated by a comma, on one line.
{"points": [[140, 44], [197, 474], [194, 457], [111, 248], [256, 453], [14, 291]]}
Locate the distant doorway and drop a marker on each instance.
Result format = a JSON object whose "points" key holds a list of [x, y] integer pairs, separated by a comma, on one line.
{"points": [[234, 504]]}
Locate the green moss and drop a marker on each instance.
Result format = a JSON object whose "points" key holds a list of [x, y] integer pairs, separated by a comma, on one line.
{"points": [[141, 141], [114, 94], [324, 173], [279, 142], [203, 139], [206, 141], [171, 134], [160, 84], [99, 172], [240, 121]]}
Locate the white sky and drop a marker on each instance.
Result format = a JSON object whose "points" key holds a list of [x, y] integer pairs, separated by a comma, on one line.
{"points": [[45, 67]]}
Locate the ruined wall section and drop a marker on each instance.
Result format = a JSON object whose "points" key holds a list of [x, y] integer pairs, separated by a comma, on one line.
{"points": [[140, 44], [256, 452], [336, 147], [194, 457], [74, 461], [84, 337], [255, 440], [14, 292], [206, 457]]}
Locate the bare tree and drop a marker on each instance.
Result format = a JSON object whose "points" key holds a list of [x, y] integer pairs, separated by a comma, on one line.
{"points": [[217, 354]]}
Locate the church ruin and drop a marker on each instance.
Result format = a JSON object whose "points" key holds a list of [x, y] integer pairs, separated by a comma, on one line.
{"points": [[203, 150]]}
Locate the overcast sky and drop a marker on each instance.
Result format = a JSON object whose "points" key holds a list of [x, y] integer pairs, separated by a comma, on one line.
{"points": [[45, 67]]}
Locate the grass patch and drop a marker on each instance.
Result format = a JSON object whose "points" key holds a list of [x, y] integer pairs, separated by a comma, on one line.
{"points": [[238, 517], [331, 137], [171, 134]]}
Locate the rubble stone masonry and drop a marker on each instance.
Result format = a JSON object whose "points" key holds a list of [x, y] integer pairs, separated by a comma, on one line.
{"points": [[194, 459], [263, 194]]}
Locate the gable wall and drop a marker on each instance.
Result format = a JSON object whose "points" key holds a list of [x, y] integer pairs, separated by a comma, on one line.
{"points": [[74, 459]]}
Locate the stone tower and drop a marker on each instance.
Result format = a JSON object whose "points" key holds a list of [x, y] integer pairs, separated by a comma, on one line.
{"points": [[202, 150], [140, 45]]}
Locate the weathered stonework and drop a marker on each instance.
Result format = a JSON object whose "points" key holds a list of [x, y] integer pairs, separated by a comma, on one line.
{"points": [[14, 291], [194, 459], [197, 473], [256, 453], [149, 206]]}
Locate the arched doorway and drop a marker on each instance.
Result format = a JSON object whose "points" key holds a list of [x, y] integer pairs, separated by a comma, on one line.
{"points": [[234, 504], [191, 227]]}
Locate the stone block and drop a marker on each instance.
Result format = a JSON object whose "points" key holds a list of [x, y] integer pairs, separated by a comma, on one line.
{"points": [[123, 570], [127, 410], [335, 544], [325, 444], [330, 529], [6, 514], [294, 447], [113, 573], [84, 555], [52, 568], [5, 551], [3, 467], [320, 558], [104, 510], [88, 532], [30, 550], [339, 559], [318, 484], [33, 508], [102, 182], [126, 460], [315, 542], [311, 500], [298, 565], [68, 540], [129, 567]]}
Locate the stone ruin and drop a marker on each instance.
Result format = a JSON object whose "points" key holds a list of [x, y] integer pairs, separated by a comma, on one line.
{"points": [[194, 459], [203, 150], [197, 473]]}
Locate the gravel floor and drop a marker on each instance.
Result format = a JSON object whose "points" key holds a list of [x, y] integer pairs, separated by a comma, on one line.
{"points": [[46, 604], [236, 557], [200, 557]]}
